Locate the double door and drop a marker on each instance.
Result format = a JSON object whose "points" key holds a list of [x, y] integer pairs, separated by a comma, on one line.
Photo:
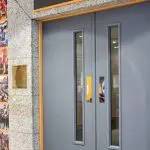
{"points": [[96, 81]]}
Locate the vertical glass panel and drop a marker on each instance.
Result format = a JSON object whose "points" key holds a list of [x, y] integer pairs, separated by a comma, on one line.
{"points": [[114, 83], [79, 86]]}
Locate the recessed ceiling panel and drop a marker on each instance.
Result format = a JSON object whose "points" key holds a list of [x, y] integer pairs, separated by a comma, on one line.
{"points": [[44, 3]]}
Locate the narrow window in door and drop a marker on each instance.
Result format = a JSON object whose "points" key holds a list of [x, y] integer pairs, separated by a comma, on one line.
{"points": [[79, 85], [114, 83]]}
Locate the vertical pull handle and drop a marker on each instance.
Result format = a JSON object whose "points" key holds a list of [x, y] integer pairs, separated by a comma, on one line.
{"points": [[89, 88], [101, 89]]}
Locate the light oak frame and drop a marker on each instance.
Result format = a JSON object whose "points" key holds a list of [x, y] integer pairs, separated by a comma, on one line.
{"points": [[104, 7]]}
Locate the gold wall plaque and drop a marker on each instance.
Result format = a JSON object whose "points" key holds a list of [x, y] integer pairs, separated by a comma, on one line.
{"points": [[19, 76]]}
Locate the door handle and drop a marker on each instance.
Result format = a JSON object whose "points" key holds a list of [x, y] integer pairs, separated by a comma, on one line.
{"points": [[101, 89], [89, 88]]}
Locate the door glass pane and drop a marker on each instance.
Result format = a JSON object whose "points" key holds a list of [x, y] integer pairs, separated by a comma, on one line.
{"points": [[79, 86], [114, 84]]}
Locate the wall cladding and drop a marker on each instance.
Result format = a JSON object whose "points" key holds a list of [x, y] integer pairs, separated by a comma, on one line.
{"points": [[4, 107], [22, 133]]}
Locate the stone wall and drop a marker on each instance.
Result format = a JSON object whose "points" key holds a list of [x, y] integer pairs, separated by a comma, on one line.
{"points": [[22, 134]]}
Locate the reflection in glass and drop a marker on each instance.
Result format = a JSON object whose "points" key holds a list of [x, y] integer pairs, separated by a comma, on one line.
{"points": [[114, 84], [79, 85]]}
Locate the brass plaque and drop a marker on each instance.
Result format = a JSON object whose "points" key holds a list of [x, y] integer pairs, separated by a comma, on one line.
{"points": [[19, 76]]}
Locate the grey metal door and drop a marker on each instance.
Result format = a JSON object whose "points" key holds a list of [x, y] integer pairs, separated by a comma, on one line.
{"points": [[113, 48], [122, 78], [69, 121]]}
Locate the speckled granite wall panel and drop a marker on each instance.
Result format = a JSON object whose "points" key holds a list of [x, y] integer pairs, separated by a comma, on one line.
{"points": [[19, 31], [21, 141], [23, 133], [26, 5], [35, 93], [35, 57]]}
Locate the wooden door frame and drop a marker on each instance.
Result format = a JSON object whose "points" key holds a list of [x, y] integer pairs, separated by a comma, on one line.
{"points": [[40, 50]]}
